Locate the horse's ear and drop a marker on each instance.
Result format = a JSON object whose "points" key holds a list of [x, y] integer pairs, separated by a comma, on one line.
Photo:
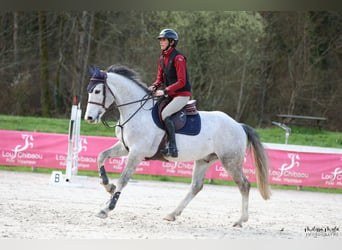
{"points": [[97, 71], [91, 70]]}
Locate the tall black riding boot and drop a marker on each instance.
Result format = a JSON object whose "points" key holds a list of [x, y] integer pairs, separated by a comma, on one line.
{"points": [[170, 130]]}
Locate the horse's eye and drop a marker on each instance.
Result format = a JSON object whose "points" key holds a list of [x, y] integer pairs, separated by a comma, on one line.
{"points": [[97, 91]]}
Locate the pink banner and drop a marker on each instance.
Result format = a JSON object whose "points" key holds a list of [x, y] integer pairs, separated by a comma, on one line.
{"points": [[48, 150], [290, 167]]}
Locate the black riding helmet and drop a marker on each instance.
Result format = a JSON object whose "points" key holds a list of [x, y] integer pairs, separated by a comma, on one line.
{"points": [[170, 34]]}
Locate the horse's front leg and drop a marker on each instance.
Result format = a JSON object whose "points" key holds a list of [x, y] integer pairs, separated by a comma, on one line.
{"points": [[133, 161], [117, 150]]}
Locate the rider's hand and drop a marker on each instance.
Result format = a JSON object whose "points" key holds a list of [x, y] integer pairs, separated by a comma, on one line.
{"points": [[159, 93], [152, 88]]}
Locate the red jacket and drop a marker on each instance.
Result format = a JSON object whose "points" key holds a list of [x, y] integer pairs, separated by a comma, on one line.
{"points": [[180, 66]]}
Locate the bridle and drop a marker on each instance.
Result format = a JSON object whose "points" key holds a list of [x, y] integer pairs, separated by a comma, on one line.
{"points": [[112, 106], [97, 81]]}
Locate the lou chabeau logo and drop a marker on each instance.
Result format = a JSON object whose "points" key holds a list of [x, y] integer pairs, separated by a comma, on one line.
{"points": [[19, 152], [294, 162], [333, 177], [290, 169], [28, 143]]}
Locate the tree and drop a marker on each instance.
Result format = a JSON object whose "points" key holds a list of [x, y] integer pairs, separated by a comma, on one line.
{"points": [[44, 61], [223, 51], [301, 74], [15, 42], [85, 23], [61, 41]]}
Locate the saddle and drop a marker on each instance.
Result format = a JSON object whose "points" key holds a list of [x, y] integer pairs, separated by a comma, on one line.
{"points": [[187, 121], [179, 118]]}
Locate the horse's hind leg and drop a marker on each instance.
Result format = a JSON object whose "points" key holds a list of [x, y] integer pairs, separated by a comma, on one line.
{"points": [[234, 168], [200, 168], [117, 150]]}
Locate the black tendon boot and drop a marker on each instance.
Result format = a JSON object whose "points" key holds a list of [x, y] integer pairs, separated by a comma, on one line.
{"points": [[170, 130]]}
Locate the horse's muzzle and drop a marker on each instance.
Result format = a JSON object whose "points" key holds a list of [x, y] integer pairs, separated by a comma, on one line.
{"points": [[90, 119]]}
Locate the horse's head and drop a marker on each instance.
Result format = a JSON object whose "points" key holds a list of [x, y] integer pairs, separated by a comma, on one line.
{"points": [[97, 96]]}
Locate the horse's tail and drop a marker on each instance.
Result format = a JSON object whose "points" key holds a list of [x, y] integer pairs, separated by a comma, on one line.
{"points": [[261, 162]]}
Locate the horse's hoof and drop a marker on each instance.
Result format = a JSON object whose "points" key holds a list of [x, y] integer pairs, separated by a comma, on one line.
{"points": [[237, 224], [102, 214], [170, 217]]}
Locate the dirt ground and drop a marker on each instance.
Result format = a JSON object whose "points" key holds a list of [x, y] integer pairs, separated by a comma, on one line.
{"points": [[31, 207]]}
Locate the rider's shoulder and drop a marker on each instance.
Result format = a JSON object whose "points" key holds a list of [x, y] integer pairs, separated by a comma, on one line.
{"points": [[180, 58]]}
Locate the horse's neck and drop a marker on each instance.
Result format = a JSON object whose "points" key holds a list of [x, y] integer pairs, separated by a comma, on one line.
{"points": [[126, 92]]}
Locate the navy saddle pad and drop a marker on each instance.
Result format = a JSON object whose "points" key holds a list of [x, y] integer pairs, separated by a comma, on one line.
{"points": [[192, 125]]}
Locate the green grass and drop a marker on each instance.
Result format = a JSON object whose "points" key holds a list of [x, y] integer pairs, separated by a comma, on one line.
{"points": [[302, 136], [299, 136], [51, 125]]}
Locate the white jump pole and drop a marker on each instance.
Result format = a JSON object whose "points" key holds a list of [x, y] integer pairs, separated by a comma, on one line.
{"points": [[73, 141], [77, 140]]}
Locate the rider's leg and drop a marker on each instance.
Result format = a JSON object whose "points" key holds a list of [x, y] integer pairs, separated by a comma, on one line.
{"points": [[170, 130], [175, 105]]}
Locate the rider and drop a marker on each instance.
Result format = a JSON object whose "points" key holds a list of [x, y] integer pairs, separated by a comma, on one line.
{"points": [[172, 77]]}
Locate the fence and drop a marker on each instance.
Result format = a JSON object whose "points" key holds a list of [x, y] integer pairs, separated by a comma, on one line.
{"points": [[289, 164]]}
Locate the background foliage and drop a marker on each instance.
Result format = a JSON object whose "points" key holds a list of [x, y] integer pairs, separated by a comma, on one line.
{"points": [[252, 65]]}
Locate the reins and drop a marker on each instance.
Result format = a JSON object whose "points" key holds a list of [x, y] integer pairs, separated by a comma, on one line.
{"points": [[111, 107], [121, 126]]}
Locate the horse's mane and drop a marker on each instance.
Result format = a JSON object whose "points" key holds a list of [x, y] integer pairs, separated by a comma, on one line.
{"points": [[128, 73]]}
